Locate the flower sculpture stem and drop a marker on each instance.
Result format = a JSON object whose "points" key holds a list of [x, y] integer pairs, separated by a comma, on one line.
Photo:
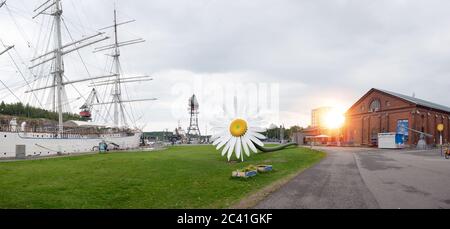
{"points": [[241, 138], [273, 149]]}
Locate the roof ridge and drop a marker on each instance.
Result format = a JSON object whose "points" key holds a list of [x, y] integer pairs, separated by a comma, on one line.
{"points": [[417, 100]]}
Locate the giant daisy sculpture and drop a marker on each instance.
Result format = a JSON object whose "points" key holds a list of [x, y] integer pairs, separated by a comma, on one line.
{"points": [[238, 137]]}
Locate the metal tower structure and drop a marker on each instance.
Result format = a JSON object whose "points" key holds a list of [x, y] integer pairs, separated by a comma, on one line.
{"points": [[193, 129]]}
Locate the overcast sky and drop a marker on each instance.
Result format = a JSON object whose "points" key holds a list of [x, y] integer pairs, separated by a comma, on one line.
{"points": [[319, 53]]}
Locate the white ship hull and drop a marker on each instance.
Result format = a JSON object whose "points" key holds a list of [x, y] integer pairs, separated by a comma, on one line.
{"points": [[43, 144]]}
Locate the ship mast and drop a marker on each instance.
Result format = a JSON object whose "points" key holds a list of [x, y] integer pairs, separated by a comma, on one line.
{"points": [[60, 50], [59, 67], [119, 116], [56, 55], [117, 95]]}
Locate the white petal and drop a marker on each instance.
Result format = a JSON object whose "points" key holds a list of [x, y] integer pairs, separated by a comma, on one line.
{"points": [[250, 143], [218, 140], [258, 135], [214, 138], [258, 119], [255, 140], [218, 122], [230, 150], [238, 148], [218, 135], [225, 149], [245, 146], [257, 129], [225, 140], [219, 128], [256, 122]]}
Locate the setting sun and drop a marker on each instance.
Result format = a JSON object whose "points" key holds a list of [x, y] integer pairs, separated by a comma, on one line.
{"points": [[334, 119]]}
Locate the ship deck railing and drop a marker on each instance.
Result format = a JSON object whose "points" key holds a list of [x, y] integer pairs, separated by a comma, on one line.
{"points": [[69, 131]]}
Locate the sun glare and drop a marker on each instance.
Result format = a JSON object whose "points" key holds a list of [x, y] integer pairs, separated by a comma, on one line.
{"points": [[334, 119]]}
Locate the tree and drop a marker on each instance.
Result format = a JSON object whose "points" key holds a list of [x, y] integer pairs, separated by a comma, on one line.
{"points": [[27, 111], [274, 132], [2, 107], [292, 130]]}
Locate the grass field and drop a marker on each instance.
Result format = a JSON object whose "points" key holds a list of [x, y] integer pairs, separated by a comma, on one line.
{"points": [[178, 177]]}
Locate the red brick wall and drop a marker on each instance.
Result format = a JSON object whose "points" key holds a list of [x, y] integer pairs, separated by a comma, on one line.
{"points": [[361, 124], [387, 103], [427, 120], [366, 126]]}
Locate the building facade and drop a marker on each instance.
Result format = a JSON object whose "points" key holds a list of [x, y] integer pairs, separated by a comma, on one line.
{"points": [[318, 132], [318, 116], [381, 111]]}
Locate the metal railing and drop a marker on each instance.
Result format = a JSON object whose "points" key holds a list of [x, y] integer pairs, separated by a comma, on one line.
{"points": [[68, 131]]}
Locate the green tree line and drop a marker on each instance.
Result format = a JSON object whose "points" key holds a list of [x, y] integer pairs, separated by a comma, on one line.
{"points": [[274, 133], [27, 111]]}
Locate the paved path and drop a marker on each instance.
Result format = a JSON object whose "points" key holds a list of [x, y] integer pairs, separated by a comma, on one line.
{"points": [[368, 178]]}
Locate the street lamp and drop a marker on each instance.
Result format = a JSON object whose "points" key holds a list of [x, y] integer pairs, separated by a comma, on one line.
{"points": [[440, 128]]}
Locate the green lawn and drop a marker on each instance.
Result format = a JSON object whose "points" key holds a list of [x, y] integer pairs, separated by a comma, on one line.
{"points": [[179, 177]]}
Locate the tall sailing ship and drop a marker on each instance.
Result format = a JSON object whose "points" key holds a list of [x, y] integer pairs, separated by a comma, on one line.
{"points": [[20, 140]]}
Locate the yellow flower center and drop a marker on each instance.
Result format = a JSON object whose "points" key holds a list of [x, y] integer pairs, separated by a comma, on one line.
{"points": [[238, 127]]}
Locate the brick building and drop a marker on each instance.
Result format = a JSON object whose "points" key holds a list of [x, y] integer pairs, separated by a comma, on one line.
{"points": [[318, 116], [318, 132], [380, 111]]}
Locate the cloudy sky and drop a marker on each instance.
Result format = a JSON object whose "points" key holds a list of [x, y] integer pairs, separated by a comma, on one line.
{"points": [[317, 52]]}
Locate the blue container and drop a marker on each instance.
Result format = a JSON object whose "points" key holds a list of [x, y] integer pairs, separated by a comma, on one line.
{"points": [[250, 173], [399, 139], [264, 168]]}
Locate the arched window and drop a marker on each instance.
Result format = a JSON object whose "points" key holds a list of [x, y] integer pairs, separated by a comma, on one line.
{"points": [[375, 105]]}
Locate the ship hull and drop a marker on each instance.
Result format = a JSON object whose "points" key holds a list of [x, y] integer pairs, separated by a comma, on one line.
{"points": [[42, 144]]}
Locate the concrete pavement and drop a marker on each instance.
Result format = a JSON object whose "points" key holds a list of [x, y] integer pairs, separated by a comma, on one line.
{"points": [[406, 179], [368, 178]]}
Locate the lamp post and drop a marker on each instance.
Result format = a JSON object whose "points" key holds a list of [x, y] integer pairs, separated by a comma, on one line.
{"points": [[339, 136], [440, 128]]}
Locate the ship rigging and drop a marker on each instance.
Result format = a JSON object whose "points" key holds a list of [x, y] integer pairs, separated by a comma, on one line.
{"points": [[73, 136], [114, 78]]}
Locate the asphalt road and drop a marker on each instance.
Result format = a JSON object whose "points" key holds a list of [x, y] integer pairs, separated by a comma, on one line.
{"points": [[368, 178]]}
